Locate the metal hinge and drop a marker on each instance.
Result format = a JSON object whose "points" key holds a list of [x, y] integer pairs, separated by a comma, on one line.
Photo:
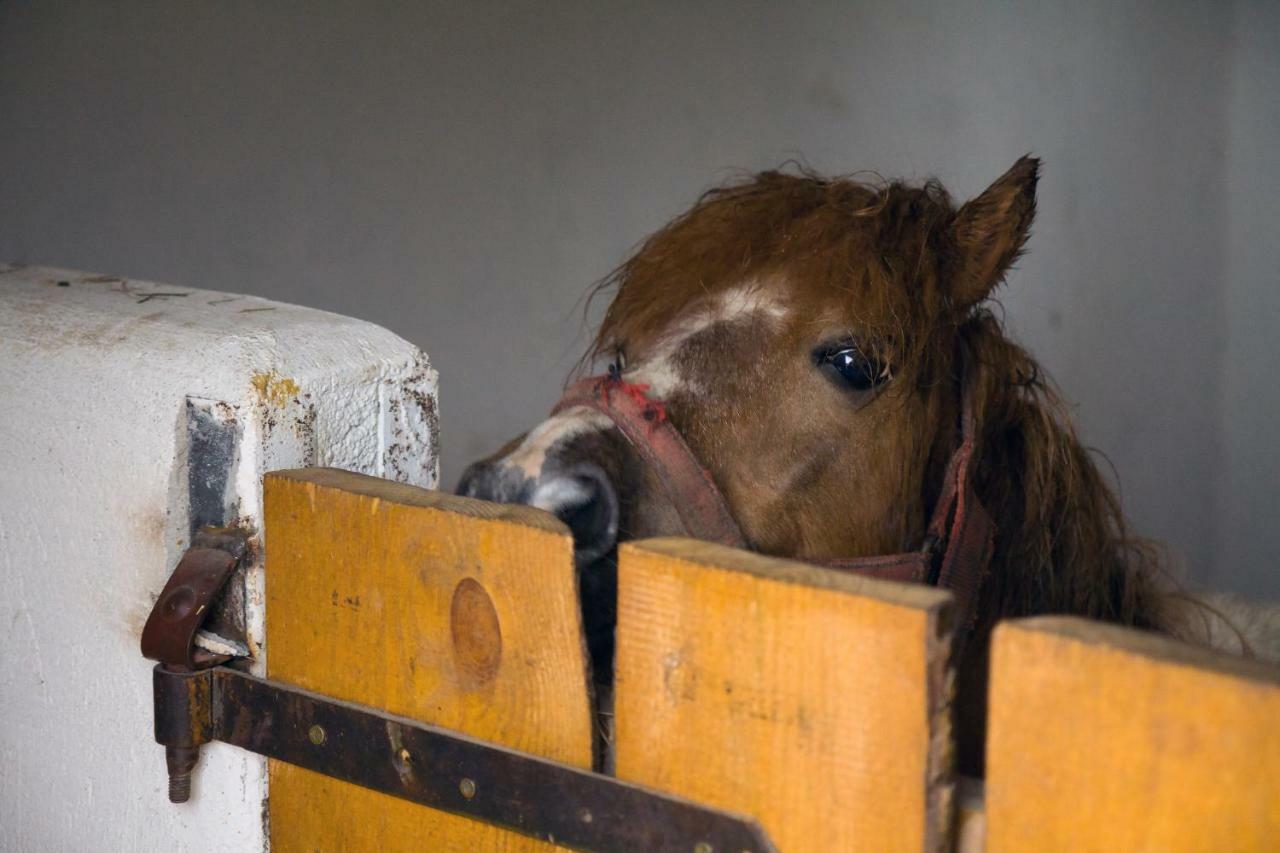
{"points": [[198, 700]]}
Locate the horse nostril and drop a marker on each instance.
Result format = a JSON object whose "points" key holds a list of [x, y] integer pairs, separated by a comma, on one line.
{"points": [[581, 496], [584, 499]]}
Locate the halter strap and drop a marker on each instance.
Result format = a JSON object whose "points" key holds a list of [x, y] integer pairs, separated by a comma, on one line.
{"points": [[970, 533], [959, 540], [690, 487], [958, 547]]}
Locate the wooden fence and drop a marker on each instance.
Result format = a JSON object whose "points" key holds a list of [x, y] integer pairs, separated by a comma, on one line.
{"points": [[816, 701]]}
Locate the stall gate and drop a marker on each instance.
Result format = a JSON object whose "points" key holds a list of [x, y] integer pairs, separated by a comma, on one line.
{"points": [[814, 701]]}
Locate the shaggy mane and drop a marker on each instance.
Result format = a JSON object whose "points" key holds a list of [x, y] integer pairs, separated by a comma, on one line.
{"points": [[1063, 545]]}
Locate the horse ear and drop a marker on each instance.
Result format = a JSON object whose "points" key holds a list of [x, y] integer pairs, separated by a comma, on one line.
{"points": [[988, 233]]}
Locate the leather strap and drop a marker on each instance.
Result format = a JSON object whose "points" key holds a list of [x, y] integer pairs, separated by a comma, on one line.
{"points": [[690, 487], [911, 567], [963, 523], [960, 525]]}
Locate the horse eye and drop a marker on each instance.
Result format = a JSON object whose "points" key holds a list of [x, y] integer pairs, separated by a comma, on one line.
{"points": [[847, 366]]}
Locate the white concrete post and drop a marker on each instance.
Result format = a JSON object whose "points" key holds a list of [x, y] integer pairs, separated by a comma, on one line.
{"points": [[128, 410]]}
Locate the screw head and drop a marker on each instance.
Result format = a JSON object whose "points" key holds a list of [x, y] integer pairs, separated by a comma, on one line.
{"points": [[316, 734], [468, 788]]}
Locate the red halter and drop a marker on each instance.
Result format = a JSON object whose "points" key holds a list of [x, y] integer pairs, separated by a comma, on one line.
{"points": [[957, 549]]}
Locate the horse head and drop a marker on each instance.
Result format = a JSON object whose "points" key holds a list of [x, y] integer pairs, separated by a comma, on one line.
{"points": [[811, 341]]}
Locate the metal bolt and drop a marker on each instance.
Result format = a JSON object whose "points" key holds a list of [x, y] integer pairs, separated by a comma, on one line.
{"points": [[316, 734], [179, 787], [405, 755], [468, 788], [180, 761], [585, 815]]}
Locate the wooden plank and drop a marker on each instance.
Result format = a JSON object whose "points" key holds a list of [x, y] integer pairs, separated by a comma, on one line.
{"points": [[815, 700], [439, 608], [1103, 738]]}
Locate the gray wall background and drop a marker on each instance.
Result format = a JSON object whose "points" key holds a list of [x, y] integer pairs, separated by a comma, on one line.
{"points": [[460, 173]]}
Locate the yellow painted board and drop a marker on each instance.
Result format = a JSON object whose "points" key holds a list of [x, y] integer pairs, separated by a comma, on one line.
{"points": [[815, 700], [442, 609], [1105, 738]]}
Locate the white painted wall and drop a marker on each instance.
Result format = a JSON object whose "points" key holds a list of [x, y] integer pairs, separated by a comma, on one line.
{"points": [[461, 172], [94, 378]]}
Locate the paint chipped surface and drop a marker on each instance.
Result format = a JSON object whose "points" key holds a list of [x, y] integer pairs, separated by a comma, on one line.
{"points": [[410, 426], [304, 387], [273, 389]]}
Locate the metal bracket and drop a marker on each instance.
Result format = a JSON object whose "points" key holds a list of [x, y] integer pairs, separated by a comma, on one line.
{"points": [[438, 768], [189, 594], [197, 702]]}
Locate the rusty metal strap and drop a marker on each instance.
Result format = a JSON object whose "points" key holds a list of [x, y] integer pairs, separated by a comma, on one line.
{"points": [[185, 602], [446, 770], [196, 702]]}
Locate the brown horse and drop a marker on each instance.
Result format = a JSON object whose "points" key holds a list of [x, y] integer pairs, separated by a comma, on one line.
{"points": [[812, 341]]}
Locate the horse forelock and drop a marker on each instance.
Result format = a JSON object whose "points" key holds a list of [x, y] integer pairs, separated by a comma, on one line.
{"points": [[866, 251]]}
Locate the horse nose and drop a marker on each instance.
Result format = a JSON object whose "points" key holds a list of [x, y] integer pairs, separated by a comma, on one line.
{"points": [[580, 495], [492, 481], [585, 500]]}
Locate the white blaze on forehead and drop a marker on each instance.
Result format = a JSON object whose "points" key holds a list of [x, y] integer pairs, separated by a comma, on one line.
{"points": [[747, 302], [748, 299], [557, 429], [658, 370]]}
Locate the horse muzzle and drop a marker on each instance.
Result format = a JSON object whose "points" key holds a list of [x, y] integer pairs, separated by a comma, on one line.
{"points": [[578, 493]]}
